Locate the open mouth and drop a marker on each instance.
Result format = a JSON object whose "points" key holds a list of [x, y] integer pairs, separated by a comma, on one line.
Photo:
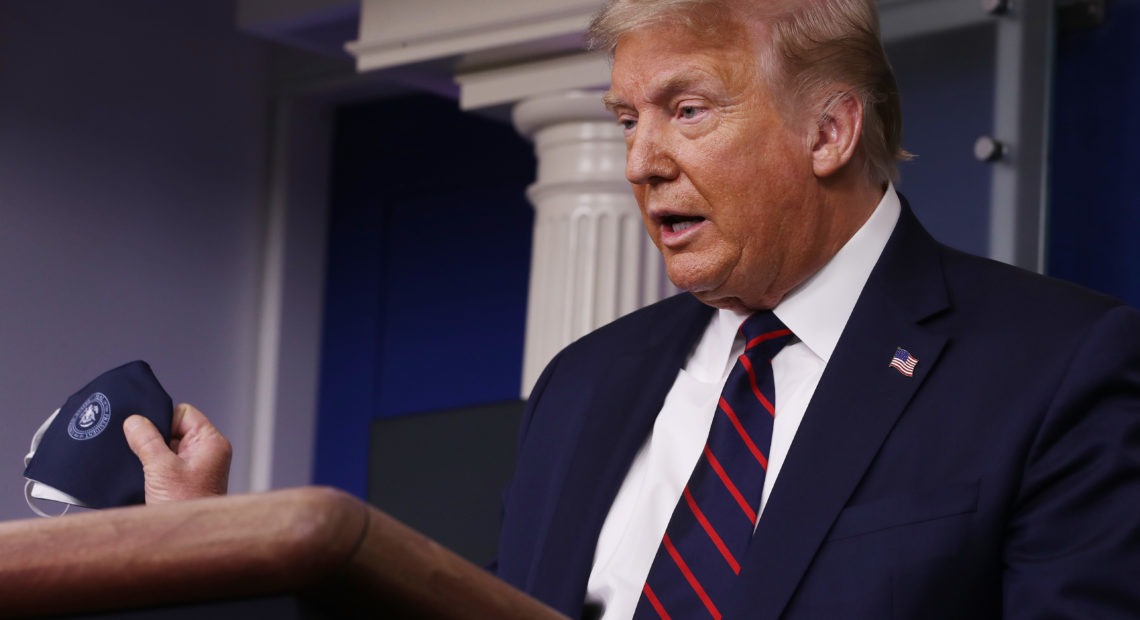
{"points": [[676, 223]]}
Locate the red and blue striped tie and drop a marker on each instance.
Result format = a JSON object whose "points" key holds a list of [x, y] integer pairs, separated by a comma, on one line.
{"points": [[712, 525]]}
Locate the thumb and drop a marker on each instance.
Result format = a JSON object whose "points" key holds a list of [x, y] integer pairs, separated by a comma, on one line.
{"points": [[144, 439]]}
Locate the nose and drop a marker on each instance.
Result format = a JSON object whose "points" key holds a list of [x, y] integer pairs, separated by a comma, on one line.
{"points": [[648, 158]]}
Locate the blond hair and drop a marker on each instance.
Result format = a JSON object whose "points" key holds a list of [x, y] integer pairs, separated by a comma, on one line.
{"points": [[814, 46]]}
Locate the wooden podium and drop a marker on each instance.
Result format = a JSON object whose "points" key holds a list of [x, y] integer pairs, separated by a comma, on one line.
{"points": [[316, 552]]}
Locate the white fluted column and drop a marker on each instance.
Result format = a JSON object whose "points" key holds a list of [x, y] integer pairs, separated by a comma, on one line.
{"points": [[591, 260]]}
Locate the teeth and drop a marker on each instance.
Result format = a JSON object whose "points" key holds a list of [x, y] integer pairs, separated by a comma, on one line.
{"points": [[680, 226]]}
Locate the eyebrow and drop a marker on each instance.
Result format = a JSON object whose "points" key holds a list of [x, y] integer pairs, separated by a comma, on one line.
{"points": [[669, 88], [611, 100]]}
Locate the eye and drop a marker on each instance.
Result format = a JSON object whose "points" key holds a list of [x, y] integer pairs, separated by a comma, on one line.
{"points": [[690, 112], [628, 123]]}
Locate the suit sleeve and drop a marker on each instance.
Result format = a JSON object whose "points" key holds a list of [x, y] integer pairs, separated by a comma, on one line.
{"points": [[507, 549], [1073, 545]]}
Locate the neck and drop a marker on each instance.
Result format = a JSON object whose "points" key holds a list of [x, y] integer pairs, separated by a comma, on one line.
{"points": [[852, 199]]}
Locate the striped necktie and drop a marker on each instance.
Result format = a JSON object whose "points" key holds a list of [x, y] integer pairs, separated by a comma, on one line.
{"points": [[699, 557]]}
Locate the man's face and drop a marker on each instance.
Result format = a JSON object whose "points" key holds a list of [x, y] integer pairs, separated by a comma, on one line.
{"points": [[724, 184]]}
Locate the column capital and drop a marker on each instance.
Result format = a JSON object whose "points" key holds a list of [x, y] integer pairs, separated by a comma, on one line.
{"points": [[536, 113]]}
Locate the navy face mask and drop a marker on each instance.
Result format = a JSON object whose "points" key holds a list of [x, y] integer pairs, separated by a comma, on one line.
{"points": [[82, 456]]}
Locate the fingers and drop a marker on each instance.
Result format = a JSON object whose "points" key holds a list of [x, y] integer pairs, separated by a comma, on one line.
{"points": [[200, 443], [196, 464], [188, 420], [145, 440]]}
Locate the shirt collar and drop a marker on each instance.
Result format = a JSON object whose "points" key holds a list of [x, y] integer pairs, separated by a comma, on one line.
{"points": [[817, 310]]}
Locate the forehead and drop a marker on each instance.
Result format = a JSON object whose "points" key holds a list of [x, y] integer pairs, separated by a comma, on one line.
{"points": [[661, 60]]}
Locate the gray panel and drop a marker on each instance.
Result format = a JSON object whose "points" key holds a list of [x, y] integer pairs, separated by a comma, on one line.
{"points": [[443, 473]]}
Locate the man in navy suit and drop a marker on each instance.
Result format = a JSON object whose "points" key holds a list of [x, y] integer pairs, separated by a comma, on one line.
{"points": [[952, 437]]}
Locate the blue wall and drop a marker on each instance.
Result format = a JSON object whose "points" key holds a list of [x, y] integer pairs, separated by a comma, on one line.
{"points": [[429, 255], [1094, 227]]}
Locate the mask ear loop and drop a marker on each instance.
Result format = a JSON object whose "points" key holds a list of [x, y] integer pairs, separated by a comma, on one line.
{"points": [[36, 509], [36, 438]]}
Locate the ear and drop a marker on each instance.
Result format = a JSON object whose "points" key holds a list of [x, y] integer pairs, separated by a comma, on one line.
{"points": [[837, 133]]}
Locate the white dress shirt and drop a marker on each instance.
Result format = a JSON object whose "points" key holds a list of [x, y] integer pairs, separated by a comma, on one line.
{"points": [[816, 312]]}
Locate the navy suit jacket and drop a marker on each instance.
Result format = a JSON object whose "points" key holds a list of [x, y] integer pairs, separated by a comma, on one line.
{"points": [[1001, 480]]}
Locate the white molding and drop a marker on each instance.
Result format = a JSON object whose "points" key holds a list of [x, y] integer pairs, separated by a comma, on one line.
{"points": [[270, 308], [393, 34], [290, 309], [481, 89]]}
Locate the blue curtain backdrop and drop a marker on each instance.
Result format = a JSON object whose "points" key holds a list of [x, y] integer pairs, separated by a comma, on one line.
{"points": [[429, 259], [1094, 227]]}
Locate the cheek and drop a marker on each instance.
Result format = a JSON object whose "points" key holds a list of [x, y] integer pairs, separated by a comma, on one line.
{"points": [[647, 223], [766, 188]]}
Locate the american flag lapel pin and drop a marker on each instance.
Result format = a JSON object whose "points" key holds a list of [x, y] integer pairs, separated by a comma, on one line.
{"points": [[904, 362]]}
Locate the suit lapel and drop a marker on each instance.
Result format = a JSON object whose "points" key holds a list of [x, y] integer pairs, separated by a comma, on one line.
{"points": [[627, 393], [854, 408]]}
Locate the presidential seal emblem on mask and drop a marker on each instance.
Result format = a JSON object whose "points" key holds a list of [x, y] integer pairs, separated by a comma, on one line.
{"points": [[91, 418]]}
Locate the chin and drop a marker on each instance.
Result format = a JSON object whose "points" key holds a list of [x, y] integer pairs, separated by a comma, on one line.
{"points": [[714, 285], [706, 285], [692, 277], [723, 303]]}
